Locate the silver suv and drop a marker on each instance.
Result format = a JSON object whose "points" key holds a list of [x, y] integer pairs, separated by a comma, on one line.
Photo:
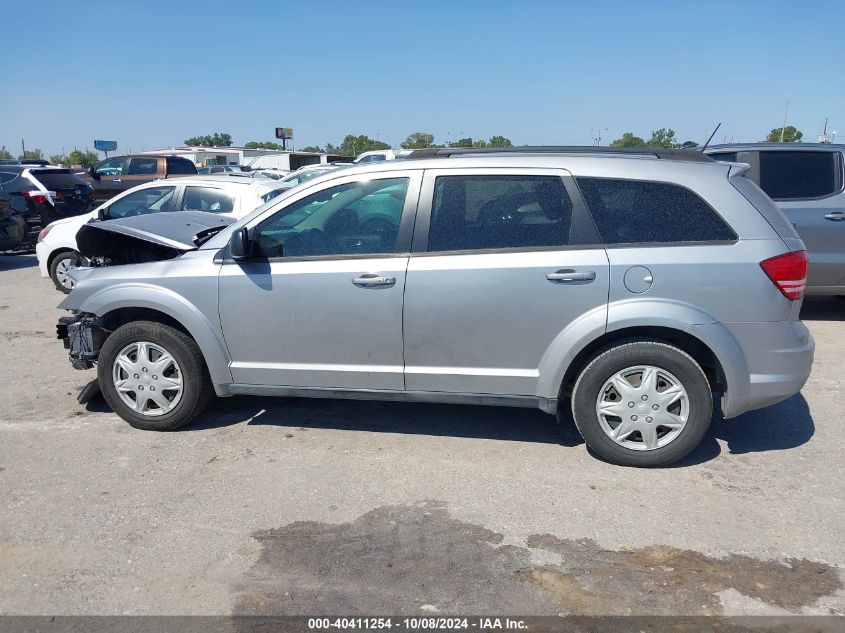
{"points": [[625, 287], [807, 181]]}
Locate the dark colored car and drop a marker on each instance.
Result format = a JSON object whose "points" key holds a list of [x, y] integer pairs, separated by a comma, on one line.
{"points": [[31, 197], [117, 174]]}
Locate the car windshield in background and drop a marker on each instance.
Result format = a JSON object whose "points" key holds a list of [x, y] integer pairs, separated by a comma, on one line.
{"points": [[304, 176]]}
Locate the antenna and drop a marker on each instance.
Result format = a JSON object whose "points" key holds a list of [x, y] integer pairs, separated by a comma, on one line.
{"points": [[711, 136]]}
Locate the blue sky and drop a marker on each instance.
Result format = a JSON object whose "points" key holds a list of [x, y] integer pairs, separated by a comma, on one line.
{"points": [[149, 74]]}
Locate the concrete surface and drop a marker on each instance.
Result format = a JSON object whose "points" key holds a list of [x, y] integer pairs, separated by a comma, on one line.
{"points": [[306, 506]]}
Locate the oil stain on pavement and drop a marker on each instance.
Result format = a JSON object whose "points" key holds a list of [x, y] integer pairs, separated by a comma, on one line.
{"points": [[419, 559]]}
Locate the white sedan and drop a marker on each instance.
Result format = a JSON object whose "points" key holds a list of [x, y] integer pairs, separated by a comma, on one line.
{"points": [[235, 197]]}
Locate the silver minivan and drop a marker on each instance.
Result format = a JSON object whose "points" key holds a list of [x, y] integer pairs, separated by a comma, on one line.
{"points": [[625, 287]]}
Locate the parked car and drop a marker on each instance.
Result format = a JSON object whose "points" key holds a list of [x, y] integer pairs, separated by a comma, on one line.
{"points": [[117, 174], [33, 196], [304, 174], [807, 181], [39, 162], [57, 249], [625, 287], [379, 155], [219, 169]]}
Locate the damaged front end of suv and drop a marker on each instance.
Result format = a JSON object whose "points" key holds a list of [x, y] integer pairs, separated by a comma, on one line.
{"points": [[112, 247]]}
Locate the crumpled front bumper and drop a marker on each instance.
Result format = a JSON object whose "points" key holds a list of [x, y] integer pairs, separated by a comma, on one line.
{"points": [[83, 337]]}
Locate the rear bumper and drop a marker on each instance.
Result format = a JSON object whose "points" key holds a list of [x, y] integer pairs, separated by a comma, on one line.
{"points": [[779, 358]]}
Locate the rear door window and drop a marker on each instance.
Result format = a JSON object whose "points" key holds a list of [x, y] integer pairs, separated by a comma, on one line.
{"points": [[207, 199], [142, 201], [481, 212], [180, 166], [790, 175], [639, 211], [143, 166]]}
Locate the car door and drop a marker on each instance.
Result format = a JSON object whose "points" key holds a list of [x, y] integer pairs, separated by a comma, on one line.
{"points": [[319, 302], [108, 177], [807, 186], [503, 261]]}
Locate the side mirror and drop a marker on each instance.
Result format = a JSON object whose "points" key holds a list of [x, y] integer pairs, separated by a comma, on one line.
{"points": [[103, 213], [92, 171], [239, 245]]}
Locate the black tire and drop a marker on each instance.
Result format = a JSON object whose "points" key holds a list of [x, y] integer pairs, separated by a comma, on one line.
{"points": [[630, 354], [71, 256], [197, 390]]}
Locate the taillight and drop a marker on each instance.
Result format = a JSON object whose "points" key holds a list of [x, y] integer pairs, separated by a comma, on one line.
{"points": [[36, 196], [788, 272]]}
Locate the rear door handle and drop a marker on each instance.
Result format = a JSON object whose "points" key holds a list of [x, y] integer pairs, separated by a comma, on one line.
{"points": [[567, 274], [117, 181], [836, 216], [370, 279]]}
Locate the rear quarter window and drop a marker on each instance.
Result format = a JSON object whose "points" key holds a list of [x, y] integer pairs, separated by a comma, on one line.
{"points": [[639, 211]]}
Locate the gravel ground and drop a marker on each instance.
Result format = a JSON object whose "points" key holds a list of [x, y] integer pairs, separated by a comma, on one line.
{"points": [[271, 506]]}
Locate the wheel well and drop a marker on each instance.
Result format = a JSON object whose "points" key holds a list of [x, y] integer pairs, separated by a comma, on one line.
{"points": [[55, 254], [121, 316], [702, 354]]}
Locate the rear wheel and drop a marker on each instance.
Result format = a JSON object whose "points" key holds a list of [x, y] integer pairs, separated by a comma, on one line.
{"points": [[642, 403], [61, 266], [153, 376]]}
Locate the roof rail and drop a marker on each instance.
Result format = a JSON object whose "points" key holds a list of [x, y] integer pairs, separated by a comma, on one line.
{"points": [[657, 152]]}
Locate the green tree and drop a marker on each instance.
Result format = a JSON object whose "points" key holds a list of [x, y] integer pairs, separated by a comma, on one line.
{"points": [[628, 140], [664, 137], [500, 141], [218, 139], [462, 142], [354, 145], [4, 153], [32, 154], [263, 145], [418, 140], [83, 159], [312, 148], [58, 159], [791, 134]]}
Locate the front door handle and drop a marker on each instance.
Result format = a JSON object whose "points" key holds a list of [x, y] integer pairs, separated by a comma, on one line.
{"points": [[566, 274], [117, 181], [370, 279], [836, 216]]}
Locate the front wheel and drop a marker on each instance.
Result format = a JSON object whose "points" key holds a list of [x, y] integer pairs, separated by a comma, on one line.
{"points": [[642, 403], [153, 376], [61, 266]]}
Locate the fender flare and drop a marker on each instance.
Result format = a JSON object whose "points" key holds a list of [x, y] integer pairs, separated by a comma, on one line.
{"points": [[642, 312], [140, 295]]}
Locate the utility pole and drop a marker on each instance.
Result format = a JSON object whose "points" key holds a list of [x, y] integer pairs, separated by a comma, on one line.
{"points": [[597, 135], [783, 129], [23, 149]]}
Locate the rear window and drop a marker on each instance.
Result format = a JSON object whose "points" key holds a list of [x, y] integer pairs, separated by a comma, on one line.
{"points": [[788, 175], [180, 166], [639, 211], [143, 166], [728, 157], [57, 178]]}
